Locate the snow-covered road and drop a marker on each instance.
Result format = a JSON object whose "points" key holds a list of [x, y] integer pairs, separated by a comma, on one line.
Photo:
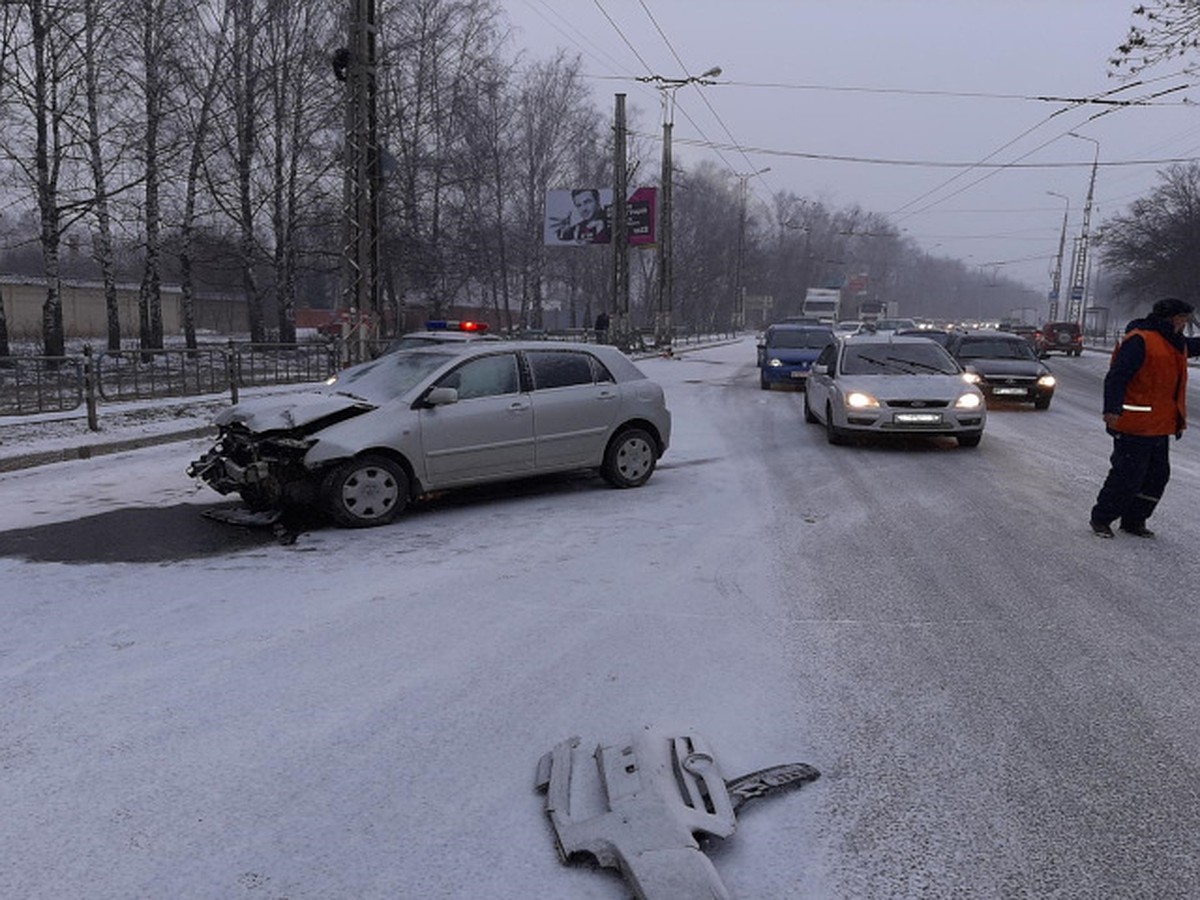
{"points": [[1000, 704]]}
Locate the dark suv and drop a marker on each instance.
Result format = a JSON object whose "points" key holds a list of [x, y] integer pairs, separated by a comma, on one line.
{"points": [[1061, 337], [1006, 367]]}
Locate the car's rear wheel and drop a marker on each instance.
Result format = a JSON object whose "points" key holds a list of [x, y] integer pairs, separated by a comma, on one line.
{"points": [[969, 440], [630, 458], [365, 491], [809, 415], [833, 434]]}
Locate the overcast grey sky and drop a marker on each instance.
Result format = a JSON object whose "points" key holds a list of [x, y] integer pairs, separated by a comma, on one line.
{"points": [[896, 82]]}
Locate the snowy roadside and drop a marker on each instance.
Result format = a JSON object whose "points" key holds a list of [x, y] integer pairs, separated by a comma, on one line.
{"points": [[27, 441]]}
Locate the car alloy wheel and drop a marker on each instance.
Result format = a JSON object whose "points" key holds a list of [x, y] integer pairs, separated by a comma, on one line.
{"points": [[365, 491], [630, 458]]}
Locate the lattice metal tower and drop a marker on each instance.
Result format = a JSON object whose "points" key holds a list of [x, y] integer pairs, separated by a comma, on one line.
{"points": [[360, 212], [1079, 259]]}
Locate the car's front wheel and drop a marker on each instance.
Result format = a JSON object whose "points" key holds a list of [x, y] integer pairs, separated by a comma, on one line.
{"points": [[969, 440], [1043, 403], [833, 434], [630, 458], [365, 491], [809, 416]]}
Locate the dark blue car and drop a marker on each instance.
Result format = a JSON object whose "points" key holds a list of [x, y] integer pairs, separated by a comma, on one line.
{"points": [[787, 352]]}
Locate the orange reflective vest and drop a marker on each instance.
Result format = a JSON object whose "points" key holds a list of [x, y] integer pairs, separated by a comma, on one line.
{"points": [[1156, 398]]}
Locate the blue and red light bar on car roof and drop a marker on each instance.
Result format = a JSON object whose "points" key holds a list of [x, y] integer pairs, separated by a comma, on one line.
{"points": [[455, 325]]}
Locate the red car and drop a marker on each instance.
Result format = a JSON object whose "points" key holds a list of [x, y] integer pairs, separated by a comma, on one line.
{"points": [[1060, 337]]}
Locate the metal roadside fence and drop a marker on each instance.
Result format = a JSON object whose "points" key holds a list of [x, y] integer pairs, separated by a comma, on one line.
{"points": [[37, 384], [43, 384]]}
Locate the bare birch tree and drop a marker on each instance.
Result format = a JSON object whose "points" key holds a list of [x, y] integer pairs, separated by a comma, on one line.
{"points": [[43, 93], [102, 80]]}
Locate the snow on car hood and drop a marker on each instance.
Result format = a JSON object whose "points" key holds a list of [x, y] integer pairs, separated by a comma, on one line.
{"points": [[288, 412]]}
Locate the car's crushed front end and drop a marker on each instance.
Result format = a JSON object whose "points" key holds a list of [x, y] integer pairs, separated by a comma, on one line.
{"points": [[260, 450]]}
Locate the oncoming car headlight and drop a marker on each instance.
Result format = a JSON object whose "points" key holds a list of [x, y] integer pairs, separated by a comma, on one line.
{"points": [[968, 401], [860, 400], [971, 377], [1046, 381], [774, 362]]}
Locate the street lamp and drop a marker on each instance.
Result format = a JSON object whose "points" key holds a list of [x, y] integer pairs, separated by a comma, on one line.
{"points": [[739, 301], [1079, 265], [1056, 284], [668, 87]]}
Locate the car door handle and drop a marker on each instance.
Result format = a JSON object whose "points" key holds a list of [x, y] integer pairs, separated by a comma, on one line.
{"points": [[607, 395], [518, 406]]}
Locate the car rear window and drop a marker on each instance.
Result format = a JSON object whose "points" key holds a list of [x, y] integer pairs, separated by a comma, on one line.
{"points": [[799, 339], [995, 348], [555, 368]]}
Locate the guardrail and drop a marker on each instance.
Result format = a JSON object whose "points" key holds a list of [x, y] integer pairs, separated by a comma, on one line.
{"points": [[34, 384], [42, 384]]}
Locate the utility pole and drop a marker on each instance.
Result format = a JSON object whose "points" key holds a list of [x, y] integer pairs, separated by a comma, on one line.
{"points": [[620, 225], [1056, 283], [663, 328], [739, 290]]}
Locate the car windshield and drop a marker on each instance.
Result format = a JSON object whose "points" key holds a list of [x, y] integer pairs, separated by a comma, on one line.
{"points": [[795, 339], [995, 348], [392, 375], [916, 358]]}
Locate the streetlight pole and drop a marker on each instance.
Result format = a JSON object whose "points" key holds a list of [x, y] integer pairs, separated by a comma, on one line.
{"points": [[739, 300], [1080, 267], [1056, 284], [668, 87]]}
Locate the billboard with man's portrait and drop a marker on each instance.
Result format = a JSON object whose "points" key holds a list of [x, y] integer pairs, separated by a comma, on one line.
{"points": [[583, 216], [578, 216]]}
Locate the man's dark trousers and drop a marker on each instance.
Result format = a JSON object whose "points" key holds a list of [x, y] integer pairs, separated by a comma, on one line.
{"points": [[1141, 468]]}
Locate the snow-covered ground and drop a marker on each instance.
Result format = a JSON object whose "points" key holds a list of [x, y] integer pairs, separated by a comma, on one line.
{"points": [[1000, 704]]}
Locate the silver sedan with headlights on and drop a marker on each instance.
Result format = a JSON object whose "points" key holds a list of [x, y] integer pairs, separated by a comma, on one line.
{"points": [[385, 432], [879, 385]]}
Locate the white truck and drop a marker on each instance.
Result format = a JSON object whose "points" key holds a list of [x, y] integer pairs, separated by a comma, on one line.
{"points": [[822, 304]]}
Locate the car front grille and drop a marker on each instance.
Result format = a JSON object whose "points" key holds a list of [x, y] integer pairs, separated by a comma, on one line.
{"points": [[917, 404], [1011, 382]]}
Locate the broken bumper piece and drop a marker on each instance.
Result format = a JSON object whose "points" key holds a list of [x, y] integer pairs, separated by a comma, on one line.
{"points": [[642, 806]]}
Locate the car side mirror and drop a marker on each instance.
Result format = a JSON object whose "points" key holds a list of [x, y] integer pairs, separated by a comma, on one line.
{"points": [[820, 369], [441, 396]]}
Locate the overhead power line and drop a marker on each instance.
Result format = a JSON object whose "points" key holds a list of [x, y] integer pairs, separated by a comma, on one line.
{"points": [[922, 163]]}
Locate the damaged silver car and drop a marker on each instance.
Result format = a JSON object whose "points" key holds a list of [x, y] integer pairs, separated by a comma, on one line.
{"points": [[378, 435]]}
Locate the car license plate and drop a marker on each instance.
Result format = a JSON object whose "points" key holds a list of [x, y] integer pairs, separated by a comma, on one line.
{"points": [[923, 418], [1009, 391], [799, 374]]}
